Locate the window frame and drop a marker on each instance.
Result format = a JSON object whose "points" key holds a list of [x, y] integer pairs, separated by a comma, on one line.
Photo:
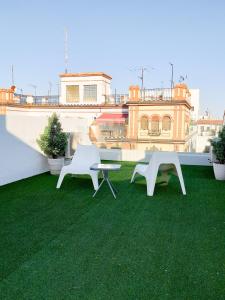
{"points": [[87, 94], [75, 97]]}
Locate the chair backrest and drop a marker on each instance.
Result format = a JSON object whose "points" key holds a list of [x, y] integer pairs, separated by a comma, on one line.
{"points": [[85, 156], [163, 157]]}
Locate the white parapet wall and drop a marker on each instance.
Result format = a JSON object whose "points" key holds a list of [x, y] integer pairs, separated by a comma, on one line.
{"points": [[199, 159], [20, 156], [17, 159]]}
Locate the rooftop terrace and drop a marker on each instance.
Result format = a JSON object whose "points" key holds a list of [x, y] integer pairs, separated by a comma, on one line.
{"points": [[63, 244]]}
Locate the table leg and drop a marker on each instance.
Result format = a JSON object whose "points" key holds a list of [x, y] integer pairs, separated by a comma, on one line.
{"points": [[105, 175], [115, 190], [111, 188], [98, 187]]}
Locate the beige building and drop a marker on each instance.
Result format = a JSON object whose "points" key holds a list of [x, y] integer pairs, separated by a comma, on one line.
{"points": [[6, 97], [161, 125], [150, 124]]}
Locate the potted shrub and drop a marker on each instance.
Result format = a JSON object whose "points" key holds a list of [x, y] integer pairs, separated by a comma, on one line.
{"points": [[53, 143], [218, 149]]}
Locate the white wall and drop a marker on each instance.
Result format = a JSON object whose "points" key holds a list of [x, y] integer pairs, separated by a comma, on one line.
{"points": [[144, 156], [202, 143], [195, 102], [28, 123], [203, 137], [20, 156], [17, 159]]}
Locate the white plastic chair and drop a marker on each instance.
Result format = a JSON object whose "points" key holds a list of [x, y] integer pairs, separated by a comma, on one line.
{"points": [[84, 157], [150, 171]]}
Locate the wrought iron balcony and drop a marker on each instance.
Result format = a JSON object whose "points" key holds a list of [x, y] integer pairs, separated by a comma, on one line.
{"points": [[154, 132]]}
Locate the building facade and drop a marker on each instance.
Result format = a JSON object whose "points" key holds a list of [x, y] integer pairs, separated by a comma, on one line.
{"points": [[6, 97], [157, 119], [84, 88], [195, 103], [156, 124], [207, 128]]}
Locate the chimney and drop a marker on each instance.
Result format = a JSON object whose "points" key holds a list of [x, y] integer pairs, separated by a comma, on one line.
{"points": [[181, 92], [134, 93]]}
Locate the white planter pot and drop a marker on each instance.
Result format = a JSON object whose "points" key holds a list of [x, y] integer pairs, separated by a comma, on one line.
{"points": [[55, 165], [219, 171]]}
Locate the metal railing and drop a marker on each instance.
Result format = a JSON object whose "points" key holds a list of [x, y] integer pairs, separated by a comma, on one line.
{"points": [[154, 132], [49, 100], [159, 94], [117, 98]]}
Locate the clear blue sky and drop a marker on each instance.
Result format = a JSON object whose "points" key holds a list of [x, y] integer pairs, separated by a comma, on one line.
{"points": [[113, 37]]}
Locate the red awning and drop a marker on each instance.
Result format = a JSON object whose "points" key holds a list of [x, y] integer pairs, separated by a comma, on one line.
{"points": [[112, 118]]}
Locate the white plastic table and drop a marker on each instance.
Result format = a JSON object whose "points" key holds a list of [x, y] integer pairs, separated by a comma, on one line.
{"points": [[105, 168]]}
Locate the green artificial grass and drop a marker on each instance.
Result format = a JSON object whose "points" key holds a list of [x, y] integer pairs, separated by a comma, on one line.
{"points": [[63, 244]]}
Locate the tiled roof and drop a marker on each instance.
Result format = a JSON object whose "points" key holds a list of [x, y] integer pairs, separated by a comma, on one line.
{"points": [[209, 122], [112, 118], [86, 74]]}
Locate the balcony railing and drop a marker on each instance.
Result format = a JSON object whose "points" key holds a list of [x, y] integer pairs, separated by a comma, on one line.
{"points": [[117, 98], [154, 132], [39, 100], [160, 94]]}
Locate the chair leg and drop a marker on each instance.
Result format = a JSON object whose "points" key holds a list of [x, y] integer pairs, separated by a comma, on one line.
{"points": [[180, 176], [133, 176], [151, 180], [61, 177], [94, 177]]}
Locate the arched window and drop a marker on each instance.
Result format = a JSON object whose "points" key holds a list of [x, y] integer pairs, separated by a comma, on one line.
{"points": [[144, 123], [155, 124], [166, 123]]}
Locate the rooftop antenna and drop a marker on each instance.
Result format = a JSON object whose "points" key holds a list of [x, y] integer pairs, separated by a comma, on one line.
{"points": [[142, 69], [182, 78], [66, 51], [171, 82], [35, 91], [12, 75], [50, 89]]}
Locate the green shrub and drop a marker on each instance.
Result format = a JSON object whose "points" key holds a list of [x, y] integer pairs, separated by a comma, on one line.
{"points": [[53, 141], [218, 145]]}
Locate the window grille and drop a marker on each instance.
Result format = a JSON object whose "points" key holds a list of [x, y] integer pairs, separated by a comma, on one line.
{"points": [[90, 93], [166, 123], [144, 123], [72, 93]]}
